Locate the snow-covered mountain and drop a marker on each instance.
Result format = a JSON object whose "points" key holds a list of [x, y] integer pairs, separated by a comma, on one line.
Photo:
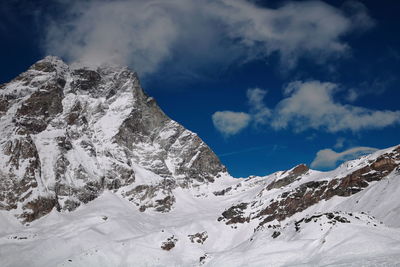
{"points": [[93, 173], [69, 133]]}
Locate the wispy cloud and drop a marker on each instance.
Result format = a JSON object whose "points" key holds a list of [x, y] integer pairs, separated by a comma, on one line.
{"points": [[311, 105], [327, 158], [339, 143], [259, 111], [186, 36]]}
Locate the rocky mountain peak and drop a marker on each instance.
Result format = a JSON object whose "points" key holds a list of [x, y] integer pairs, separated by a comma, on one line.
{"points": [[69, 132]]}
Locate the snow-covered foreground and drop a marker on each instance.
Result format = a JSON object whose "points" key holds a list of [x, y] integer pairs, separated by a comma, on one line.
{"points": [[110, 231]]}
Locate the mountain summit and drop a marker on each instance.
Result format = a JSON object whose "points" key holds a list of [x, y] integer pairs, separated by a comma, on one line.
{"points": [[70, 132], [93, 173]]}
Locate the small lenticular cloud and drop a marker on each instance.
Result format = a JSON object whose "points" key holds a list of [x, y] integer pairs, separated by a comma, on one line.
{"points": [[229, 122]]}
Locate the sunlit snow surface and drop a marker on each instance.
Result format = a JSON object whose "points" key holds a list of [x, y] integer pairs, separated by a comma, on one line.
{"points": [[111, 231]]}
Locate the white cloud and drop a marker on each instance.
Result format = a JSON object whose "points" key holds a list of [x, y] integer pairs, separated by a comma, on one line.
{"points": [[311, 105], [327, 158], [189, 35], [352, 95], [117, 32], [259, 112], [295, 29], [359, 14], [339, 143], [229, 122]]}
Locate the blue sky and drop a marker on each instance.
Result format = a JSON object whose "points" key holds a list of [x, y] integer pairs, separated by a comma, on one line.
{"points": [[266, 84]]}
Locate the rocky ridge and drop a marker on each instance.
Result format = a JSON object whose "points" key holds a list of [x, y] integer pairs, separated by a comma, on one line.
{"points": [[69, 132], [287, 193]]}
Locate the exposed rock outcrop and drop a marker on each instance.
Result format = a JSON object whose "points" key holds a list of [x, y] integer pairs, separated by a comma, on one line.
{"points": [[199, 238], [297, 197], [295, 173], [69, 132], [169, 243]]}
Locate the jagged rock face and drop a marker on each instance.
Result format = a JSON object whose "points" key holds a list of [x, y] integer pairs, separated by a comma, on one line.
{"points": [[294, 174], [69, 132], [310, 193], [292, 199]]}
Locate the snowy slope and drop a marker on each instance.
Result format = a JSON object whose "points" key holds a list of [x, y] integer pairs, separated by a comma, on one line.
{"points": [[110, 231], [93, 173], [380, 200]]}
